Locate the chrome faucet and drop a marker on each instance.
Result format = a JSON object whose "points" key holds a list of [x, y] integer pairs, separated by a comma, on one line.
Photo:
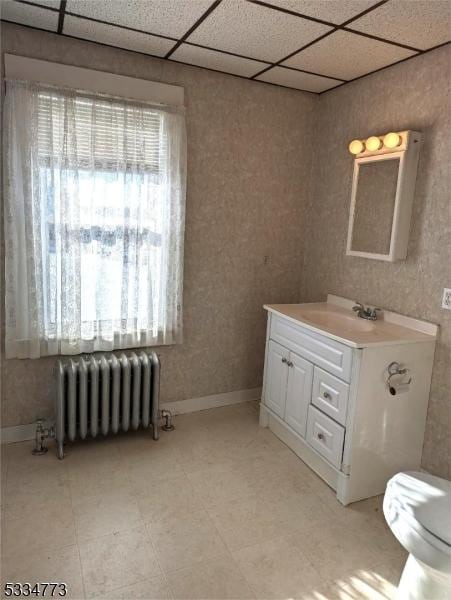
{"points": [[370, 314]]}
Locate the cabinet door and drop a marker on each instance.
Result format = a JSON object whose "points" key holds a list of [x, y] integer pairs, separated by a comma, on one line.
{"points": [[300, 378], [276, 378]]}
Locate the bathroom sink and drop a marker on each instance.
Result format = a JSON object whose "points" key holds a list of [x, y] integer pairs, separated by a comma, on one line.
{"points": [[334, 320]]}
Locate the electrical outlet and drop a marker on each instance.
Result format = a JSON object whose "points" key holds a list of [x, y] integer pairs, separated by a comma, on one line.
{"points": [[446, 301]]}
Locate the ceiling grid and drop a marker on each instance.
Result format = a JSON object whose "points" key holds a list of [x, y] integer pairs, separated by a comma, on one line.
{"points": [[308, 45]]}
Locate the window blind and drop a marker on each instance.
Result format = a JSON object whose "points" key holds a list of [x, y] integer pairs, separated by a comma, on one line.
{"points": [[108, 135]]}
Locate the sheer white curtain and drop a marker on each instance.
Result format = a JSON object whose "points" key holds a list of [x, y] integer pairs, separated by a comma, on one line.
{"points": [[94, 221]]}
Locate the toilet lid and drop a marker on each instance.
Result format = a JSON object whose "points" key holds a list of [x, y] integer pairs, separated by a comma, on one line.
{"points": [[425, 499]]}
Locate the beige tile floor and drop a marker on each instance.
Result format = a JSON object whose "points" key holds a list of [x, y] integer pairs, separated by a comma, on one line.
{"points": [[219, 508]]}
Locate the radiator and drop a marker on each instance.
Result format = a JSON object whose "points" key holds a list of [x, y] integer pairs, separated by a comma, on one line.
{"points": [[103, 394]]}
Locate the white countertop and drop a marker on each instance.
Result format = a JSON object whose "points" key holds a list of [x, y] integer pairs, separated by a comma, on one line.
{"points": [[336, 320]]}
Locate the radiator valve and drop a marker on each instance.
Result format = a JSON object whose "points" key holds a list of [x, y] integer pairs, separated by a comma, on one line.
{"points": [[167, 416], [42, 433]]}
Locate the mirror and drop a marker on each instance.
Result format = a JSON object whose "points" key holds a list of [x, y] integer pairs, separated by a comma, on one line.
{"points": [[375, 195]]}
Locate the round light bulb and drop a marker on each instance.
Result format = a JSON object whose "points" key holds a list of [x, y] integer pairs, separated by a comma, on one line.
{"points": [[356, 147], [391, 140], [373, 143]]}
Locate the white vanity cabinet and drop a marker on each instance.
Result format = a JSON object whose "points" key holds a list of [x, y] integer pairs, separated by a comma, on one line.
{"points": [[326, 392]]}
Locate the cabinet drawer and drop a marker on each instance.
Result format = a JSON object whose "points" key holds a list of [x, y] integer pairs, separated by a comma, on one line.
{"points": [[329, 354], [325, 436], [330, 395]]}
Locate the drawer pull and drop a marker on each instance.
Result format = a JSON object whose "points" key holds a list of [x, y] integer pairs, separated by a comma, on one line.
{"points": [[284, 360], [289, 363], [321, 436], [327, 396]]}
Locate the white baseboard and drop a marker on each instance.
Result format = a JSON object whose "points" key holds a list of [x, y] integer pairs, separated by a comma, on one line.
{"points": [[21, 433], [194, 404]]}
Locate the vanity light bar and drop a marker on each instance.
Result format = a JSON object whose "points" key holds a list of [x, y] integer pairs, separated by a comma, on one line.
{"points": [[374, 143]]}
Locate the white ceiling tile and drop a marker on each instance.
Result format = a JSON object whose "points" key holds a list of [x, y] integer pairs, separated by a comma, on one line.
{"points": [[115, 36], [26, 14], [346, 55], [298, 80], [164, 17], [420, 24], [50, 3], [334, 11], [217, 61], [255, 31]]}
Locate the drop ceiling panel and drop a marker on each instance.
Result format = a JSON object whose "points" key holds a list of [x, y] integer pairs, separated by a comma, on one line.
{"points": [[255, 31], [217, 61], [346, 55], [50, 3], [298, 80], [334, 11], [416, 23], [115, 36], [25, 14], [243, 38], [164, 17]]}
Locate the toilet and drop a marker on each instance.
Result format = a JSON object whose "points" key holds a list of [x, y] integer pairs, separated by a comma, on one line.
{"points": [[417, 508]]}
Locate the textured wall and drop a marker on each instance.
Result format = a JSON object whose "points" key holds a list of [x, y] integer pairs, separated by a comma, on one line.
{"points": [[411, 95], [249, 169], [248, 176]]}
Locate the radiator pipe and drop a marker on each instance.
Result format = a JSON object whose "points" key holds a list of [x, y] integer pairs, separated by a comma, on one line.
{"points": [[167, 416], [42, 433]]}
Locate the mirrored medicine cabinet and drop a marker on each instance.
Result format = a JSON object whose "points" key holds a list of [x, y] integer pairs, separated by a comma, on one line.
{"points": [[382, 195]]}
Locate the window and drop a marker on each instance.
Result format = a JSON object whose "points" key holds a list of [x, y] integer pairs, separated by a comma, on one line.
{"points": [[95, 218]]}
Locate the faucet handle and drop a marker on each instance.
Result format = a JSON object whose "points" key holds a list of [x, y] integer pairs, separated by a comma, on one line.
{"points": [[358, 306], [372, 313]]}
